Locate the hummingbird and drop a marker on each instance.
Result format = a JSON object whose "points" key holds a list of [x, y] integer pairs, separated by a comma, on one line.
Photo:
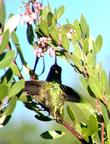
{"points": [[51, 93]]}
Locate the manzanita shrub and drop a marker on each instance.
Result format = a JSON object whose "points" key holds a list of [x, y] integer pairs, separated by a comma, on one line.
{"points": [[90, 117]]}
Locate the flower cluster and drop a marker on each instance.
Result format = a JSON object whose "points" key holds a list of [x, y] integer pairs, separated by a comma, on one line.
{"points": [[37, 7], [31, 12], [42, 47]]}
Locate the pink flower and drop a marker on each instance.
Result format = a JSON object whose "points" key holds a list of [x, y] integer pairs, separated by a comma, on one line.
{"points": [[51, 52], [42, 42], [39, 52], [38, 7]]}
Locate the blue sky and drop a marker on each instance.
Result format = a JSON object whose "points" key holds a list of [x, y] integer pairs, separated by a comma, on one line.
{"points": [[97, 16]]}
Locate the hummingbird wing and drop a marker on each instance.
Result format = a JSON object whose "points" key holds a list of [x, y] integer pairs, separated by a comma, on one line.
{"points": [[32, 87], [71, 95]]}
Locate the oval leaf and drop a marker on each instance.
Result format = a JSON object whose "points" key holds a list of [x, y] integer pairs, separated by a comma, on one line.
{"points": [[98, 43], [105, 113], [17, 45], [84, 27], [15, 69], [44, 27], [5, 40], [70, 113], [6, 59], [92, 125], [42, 117], [4, 120], [49, 18], [65, 41], [2, 12], [30, 34], [54, 33], [3, 91], [95, 86], [52, 134], [16, 88], [60, 11], [11, 106]]}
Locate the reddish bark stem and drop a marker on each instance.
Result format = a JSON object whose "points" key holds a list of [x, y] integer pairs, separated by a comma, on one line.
{"points": [[74, 132]]}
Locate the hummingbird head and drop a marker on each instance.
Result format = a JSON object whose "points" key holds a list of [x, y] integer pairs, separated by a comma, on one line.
{"points": [[54, 73]]}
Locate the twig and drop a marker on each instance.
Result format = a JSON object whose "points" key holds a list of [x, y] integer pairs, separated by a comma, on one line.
{"points": [[36, 62], [74, 132]]}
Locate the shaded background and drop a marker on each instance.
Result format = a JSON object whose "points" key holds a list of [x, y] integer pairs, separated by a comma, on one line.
{"points": [[23, 127]]}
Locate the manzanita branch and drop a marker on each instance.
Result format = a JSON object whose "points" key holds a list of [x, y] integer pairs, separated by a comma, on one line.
{"points": [[74, 132]]}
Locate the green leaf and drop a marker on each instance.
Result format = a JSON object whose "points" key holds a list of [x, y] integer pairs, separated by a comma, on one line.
{"points": [[11, 106], [3, 91], [60, 11], [91, 59], [16, 88], [108, 131], [76, 60], [52, 134], [24, 98], [65, 41], [54, 33], [103, 80], [44, 13], [15, 69], [44, 27], [95, 86], [84, 82], [98, 43], [81, 115], [105, 113], [6, 59], [30, 34], [92, 125], [2, 12], [86, 46], [71, 113], [84, 27], [17, 45], [74, 39], [5, 40], [54, 20], [42, 117], [49, 18], [7, 78]]}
